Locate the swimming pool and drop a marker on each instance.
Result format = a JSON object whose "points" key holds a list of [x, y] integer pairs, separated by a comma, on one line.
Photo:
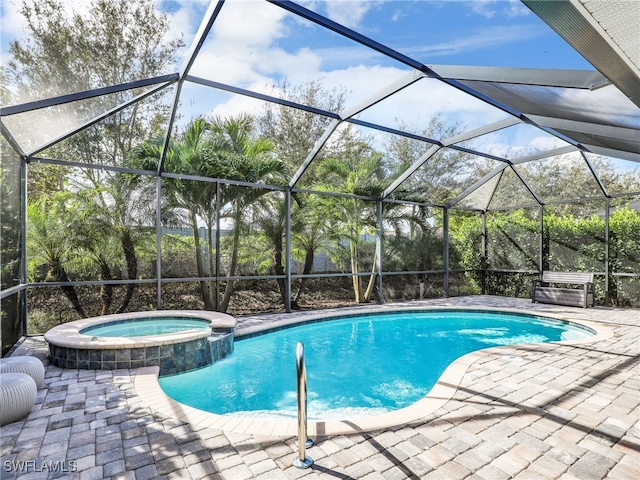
{"points": [[358, 366]]}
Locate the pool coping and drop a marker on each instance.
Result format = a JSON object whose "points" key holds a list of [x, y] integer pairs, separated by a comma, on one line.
{"points": [[151, 394], [68, 334]]}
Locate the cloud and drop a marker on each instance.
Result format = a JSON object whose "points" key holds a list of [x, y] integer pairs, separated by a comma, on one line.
{"points": [[259, 61], [185, 20], [348, 12], [545, 142], [516, 9], [243, 42], [492, 8], [235, 105], [397, 15], [484, 8], [417, 104], [480, 40], [361, 81], [516, 141], [249, 47], [12, 24], [251, 23]]}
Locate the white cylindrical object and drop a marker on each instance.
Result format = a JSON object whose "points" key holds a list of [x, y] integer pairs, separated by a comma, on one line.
{"points": [[18, 393], [28, 365]]}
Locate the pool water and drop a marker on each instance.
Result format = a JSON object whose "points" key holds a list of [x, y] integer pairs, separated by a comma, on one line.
{"points": [[363, 365], [145, 327]]}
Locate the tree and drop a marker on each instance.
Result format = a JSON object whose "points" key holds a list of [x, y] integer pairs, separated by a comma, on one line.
{"points": [[246, 158], [111, 219], [624, 255], [116, 41], [444, 174], [222, 148], [10, 244], [359, 170], [65, 51], [49, 242], [413, 243], [189, 202], [309, 226], [294, 133], [271, 218]]}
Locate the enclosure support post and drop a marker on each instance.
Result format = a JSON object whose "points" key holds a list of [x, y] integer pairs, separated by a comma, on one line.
{"points": [[540, 240], [217, 295], [445, 253], [22, 298], [483, 260], [301, 460], [287, 248], [378, 255], [606, 253], [543, 259], [159, 242]]}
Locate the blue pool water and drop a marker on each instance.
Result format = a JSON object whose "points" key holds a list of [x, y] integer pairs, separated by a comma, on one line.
{"points": [[145, 326], [356, 366]]}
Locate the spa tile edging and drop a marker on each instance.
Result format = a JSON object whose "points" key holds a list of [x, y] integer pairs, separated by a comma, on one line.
{"points": [[172, 353], [170, 358]]}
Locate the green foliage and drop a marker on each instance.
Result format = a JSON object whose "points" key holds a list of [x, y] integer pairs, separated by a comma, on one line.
{"points": [[444, 174], [465, 237], [225, 148], [69, 49], [11, 254], [48, 236], [177, 255], [570, 244], [575, 243], [357, 170], [624, 256], [92, 233], [294, 132], [513, 240], [10, 235]]}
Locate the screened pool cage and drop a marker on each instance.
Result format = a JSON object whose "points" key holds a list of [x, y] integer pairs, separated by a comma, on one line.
{"points": [[422, 181]]}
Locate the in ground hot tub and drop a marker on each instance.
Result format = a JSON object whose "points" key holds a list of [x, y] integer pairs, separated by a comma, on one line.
{"points": [[174, 340], [143, 327]]}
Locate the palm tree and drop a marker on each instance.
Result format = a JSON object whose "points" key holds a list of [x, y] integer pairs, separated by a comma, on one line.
{"points": [[218, 149], [359, 170], [271, 218], [48, 242], [309, 229], [246, 159], [188, 201], [111, 222], [133, 206]]}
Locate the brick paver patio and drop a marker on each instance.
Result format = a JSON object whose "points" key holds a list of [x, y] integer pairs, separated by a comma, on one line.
{"points": [[527, 412]]}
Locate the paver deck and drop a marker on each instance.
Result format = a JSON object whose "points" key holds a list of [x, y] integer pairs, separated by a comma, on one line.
{"points": [[545, 411]]}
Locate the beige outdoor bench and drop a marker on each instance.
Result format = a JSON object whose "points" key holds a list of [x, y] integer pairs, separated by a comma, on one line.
{"points": [[576, 297]]}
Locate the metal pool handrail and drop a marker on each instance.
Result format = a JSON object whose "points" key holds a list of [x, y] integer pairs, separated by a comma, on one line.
{"points": [[301, 460]]}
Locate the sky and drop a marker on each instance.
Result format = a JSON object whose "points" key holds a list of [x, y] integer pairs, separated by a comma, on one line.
{"points": [[255, 44]]}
